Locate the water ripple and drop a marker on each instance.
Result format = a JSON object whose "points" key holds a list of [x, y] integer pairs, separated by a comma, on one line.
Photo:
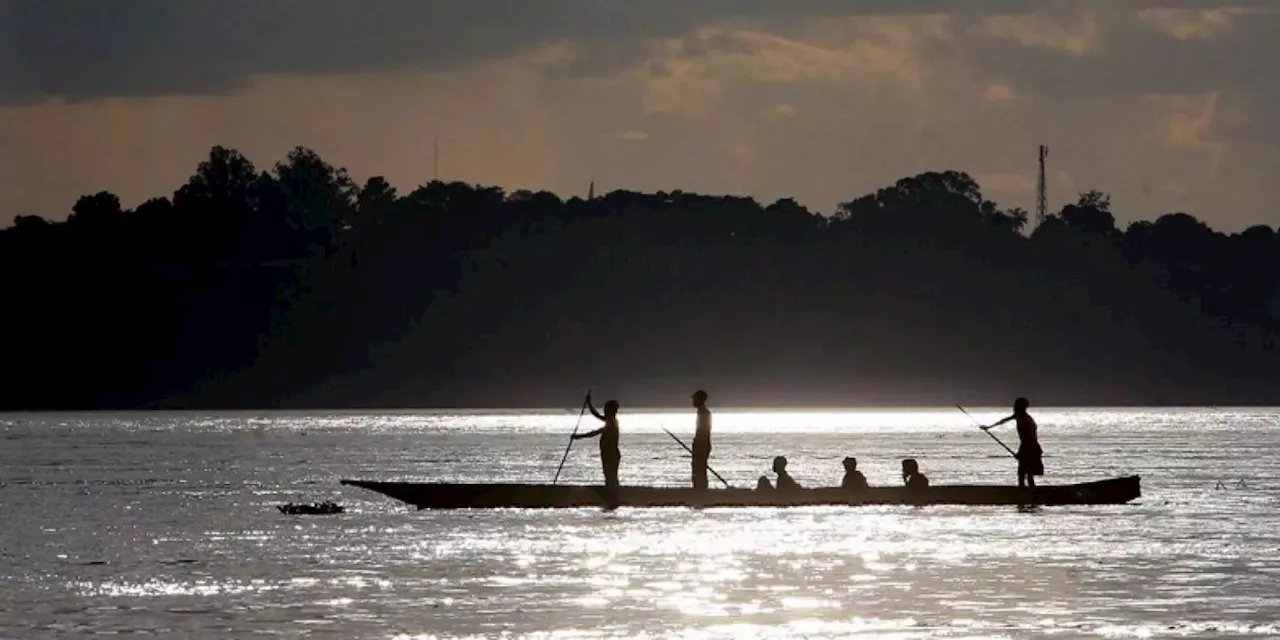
{"points": [[163, 524]]}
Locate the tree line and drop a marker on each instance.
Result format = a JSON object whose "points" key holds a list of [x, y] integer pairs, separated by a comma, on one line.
{"points": [[299, 287]]}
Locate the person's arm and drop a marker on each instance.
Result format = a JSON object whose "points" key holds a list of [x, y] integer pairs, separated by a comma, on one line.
{"points": [[589, 434], [996, 424], [595, 413]]}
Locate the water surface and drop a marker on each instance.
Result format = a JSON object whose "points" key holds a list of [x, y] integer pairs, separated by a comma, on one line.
{"points": [[164, 524]]}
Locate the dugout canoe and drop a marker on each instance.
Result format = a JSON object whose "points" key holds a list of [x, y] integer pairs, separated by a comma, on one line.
{"points": [[442, 495]]}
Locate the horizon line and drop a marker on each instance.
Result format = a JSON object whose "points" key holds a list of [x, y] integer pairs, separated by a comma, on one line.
{"points": [[644, 409]]}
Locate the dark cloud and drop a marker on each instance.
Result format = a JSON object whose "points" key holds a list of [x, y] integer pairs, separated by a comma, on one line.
{"points": [[78, 49], [92, 48], [1135, 58]]}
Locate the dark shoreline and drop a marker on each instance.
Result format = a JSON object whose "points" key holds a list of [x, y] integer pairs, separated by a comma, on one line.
{"points": [[299, 288]]}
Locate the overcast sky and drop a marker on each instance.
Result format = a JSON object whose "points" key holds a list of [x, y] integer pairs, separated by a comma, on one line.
{"points": [[1169, 105]]}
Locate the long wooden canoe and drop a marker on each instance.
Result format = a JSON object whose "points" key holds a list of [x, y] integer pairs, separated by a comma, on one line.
{"points": [[542, 496]]}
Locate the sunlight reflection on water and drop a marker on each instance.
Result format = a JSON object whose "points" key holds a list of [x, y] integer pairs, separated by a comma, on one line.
{"points": [[163, 523]]}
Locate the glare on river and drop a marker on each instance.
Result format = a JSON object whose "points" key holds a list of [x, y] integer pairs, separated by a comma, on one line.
{"points": [[164, 524]]}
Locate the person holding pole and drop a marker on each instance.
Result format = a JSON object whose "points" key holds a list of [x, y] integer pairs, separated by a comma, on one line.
{"points": [[1030, 456], [610, 455], [701, 440]]}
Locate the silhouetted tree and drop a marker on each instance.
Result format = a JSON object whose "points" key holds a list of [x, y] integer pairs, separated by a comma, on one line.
{"points": [[296, 287], [319, 199], [98, 210], [376, 199], [29, 222], [1091, 214]]}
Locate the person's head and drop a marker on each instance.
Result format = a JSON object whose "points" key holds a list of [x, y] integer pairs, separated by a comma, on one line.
{"points": [[850, 464], [611, 408], [1020, 405], [909, 467], [699, 398], [779, 464]]}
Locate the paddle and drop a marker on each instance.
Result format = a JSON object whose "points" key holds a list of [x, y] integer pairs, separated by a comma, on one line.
{"points": [[581, 413], [988, 432], [686, 448]]}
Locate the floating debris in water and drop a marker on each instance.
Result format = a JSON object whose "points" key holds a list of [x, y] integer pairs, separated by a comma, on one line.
{"points": [[314, 509]]}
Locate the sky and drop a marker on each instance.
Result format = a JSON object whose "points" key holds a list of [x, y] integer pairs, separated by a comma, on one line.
{"points": [[1166, 105]]}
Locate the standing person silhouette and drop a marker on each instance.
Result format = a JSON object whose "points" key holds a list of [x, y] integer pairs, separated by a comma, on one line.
{"points": [[701, 440], [610, 456], [1030, 455]]}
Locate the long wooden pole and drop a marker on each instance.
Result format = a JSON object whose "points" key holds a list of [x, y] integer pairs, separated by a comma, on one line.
{"points": [[581, 413], [686, 448], [988, 432]]}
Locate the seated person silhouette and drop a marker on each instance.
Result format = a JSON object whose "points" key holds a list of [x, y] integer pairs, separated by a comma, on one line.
{"points": [[911, 475], [785, 482], [853, 479]]}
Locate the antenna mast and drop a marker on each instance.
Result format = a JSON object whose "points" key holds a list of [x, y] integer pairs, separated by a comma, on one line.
{"points": [[435, 157], [1041, 205]]}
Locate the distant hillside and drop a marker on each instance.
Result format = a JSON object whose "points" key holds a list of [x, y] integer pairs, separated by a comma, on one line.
{"points": [[298, 288]]}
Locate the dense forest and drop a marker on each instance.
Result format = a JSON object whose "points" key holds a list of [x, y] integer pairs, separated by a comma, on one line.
{"points": [[299, 287]]}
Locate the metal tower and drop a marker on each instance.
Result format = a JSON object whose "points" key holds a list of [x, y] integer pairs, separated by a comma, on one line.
{"points": [[1041, 205]]}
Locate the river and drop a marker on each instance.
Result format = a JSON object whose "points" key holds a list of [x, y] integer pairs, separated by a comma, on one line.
{"points": [[164, 524]]}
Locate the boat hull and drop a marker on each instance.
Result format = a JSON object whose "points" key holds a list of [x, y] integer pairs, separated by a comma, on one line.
{"points": [[542, 496]]}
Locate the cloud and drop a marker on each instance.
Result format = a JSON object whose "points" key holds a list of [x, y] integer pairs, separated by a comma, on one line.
{"points": [[820, 99], [632, 136], [1123, 53], [779, 111], [1187, 24], [81, 49], [1187, 118], [999, 91], [689, 75], [1044, 31], [1007, 182]]}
